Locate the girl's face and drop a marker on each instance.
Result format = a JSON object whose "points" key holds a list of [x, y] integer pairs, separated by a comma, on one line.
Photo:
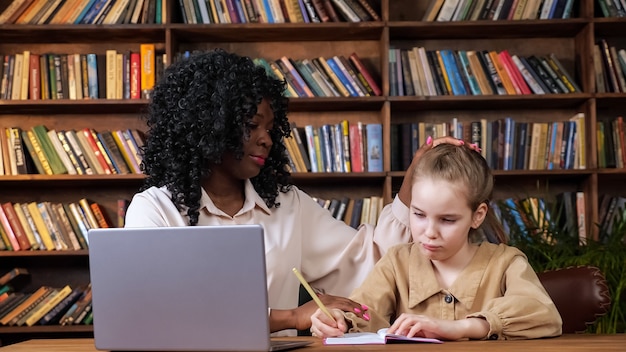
{"points": [[441, 218]]}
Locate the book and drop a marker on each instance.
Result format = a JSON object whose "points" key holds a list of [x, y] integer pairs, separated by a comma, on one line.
{"points": [[41, 135], [48, 305], [381, 337], [30, 234], [28, 302], [8, 216], [53, 315], [374, 147], [41, 227], [15, 277], [147, 55]]}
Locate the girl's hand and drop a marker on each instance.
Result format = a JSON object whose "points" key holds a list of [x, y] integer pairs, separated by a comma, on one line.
{"points": [[322, 326], [305, 311], [420, 325]]}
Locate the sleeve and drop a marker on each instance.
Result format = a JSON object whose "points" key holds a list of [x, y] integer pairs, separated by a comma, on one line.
{"points": [[525, 311], [153, 209], [379, 292], [335, 257]]}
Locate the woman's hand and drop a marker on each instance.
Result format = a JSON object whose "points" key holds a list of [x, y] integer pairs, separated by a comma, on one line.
{"points": [[323, 326], [420, 325], [343, 304], [405, 189]]}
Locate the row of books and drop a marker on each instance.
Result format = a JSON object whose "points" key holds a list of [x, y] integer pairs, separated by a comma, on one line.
{"points": [[341, 147], [323, 77], [84, 152], [114, 75], [49, 226], [612, 8], [83, 12], [353, 211], [506, 144], [609, 68], [422, 72], [535, 216], [474, 10], [276, 11], [611, 143], [47, 305]]}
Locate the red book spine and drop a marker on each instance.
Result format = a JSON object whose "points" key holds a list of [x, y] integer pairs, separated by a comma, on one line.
{"points": [[135, 76], [515, 74], [34, 78], [355, 149], [359, 66], [16, 226], [94, 146], [8, 230]]}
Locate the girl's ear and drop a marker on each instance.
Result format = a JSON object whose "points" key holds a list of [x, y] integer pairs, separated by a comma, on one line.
{"points": [[479, 215]]}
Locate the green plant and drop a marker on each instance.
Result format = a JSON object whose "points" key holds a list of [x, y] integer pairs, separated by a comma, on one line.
{"points": [[551, 242]]}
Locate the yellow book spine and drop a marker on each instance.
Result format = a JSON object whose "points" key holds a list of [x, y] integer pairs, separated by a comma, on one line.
{"points": [[29, 232], [41, 226], [147, 53], [345, 133], [49, 305], [279, 74], [342, 89], [91, 218], [506, 80], [446, 79]]}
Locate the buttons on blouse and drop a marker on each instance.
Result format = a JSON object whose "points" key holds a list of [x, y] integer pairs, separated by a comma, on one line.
{"points": [[493, 337], [448, 299]]}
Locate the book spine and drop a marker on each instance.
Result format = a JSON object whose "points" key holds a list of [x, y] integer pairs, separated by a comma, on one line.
{"points": [[15, 225]]}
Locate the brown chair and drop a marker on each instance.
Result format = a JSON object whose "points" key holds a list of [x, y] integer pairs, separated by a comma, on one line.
{"points": [[580, 294]]}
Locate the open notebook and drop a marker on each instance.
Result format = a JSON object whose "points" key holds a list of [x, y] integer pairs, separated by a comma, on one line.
{"points": [[375, 338], [188, 288]]}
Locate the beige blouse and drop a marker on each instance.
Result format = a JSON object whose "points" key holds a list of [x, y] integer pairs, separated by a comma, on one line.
{"points": [[498, 285], [330, 255]]}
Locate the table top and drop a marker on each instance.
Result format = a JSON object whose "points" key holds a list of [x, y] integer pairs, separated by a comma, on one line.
{"points": [[570, 342]]}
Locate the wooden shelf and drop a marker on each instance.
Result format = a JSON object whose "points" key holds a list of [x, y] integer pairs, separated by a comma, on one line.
{"points": [[39, 253], [486, 29], [572, 39], [533, 101], [73, 107]]}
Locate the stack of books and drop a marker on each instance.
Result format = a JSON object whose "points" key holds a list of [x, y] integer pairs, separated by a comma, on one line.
{"points": [[45, 306]]}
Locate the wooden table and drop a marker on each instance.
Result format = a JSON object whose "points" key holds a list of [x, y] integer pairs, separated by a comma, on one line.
{"points": [[578, 342]]}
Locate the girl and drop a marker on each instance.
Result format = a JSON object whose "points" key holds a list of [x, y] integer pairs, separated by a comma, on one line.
{"points": [[447, 284]]}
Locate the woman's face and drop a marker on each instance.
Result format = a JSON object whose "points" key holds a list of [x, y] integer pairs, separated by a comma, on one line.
{"points": [[256, 148]]}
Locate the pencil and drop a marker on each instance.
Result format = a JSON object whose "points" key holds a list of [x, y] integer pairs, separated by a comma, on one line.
{"points": [[312, 293]]}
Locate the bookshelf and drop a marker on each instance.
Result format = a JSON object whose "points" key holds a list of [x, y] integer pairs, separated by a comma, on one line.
{"points": [[401, 26]]}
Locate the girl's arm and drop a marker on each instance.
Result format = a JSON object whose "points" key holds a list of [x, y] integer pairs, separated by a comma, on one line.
{"points": [[525, 311]]}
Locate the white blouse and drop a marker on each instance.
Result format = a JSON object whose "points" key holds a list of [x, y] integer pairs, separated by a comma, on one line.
{"points": [[331, 255]]}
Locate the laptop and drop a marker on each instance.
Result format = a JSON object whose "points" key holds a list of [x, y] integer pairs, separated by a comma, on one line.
{"points": [[194, 288]]}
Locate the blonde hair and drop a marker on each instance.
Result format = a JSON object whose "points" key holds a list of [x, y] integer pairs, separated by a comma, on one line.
{"points": [[464, 166]]}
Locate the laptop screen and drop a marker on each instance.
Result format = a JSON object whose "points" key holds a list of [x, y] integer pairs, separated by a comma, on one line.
{"points": [[194, 288]]}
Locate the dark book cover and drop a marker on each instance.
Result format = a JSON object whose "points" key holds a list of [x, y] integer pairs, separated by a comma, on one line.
{"points": [[356, 213], [53, 316], [406, 73], [543, 75], [433, 63]]}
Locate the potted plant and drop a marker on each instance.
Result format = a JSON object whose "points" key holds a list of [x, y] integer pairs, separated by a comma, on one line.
{"points": [[551, 241]]}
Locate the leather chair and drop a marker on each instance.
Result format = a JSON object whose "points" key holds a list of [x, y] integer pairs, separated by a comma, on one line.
{"points": [[580, 294]]}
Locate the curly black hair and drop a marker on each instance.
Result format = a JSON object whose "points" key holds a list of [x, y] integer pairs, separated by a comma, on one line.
{"points": [[200, 110]]}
